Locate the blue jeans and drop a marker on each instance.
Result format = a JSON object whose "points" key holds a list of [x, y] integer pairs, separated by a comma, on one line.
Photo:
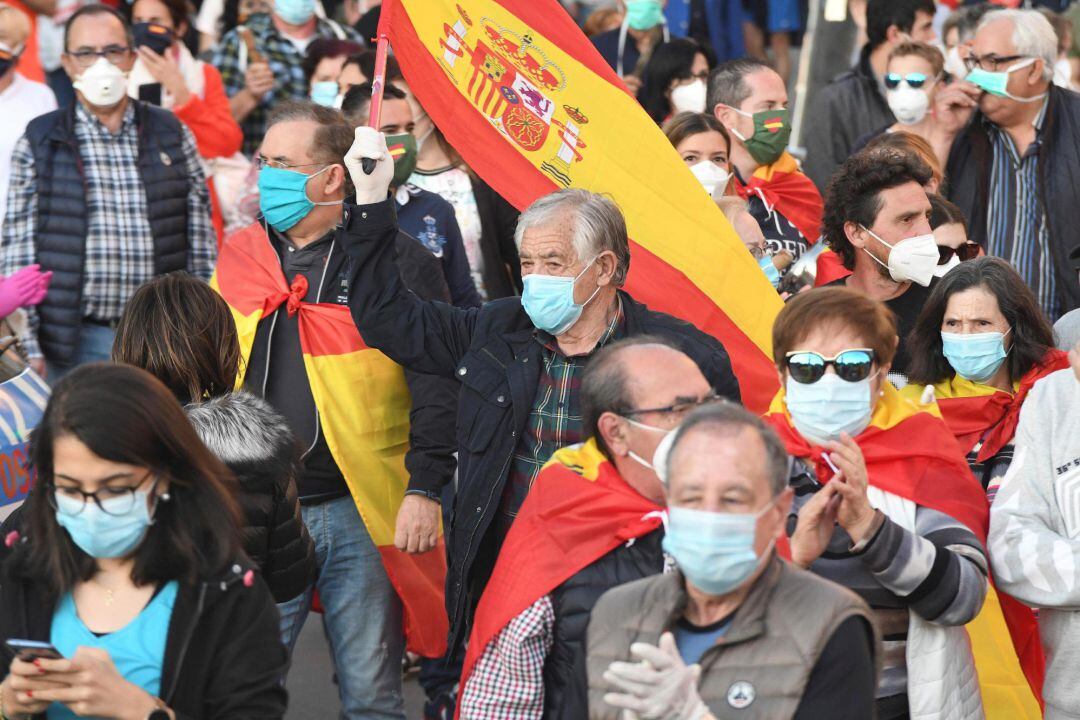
{"points": [[95, 345], [363, 617]]}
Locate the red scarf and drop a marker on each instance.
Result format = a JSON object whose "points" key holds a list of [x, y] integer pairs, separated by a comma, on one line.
{"points": [[785, 189]]}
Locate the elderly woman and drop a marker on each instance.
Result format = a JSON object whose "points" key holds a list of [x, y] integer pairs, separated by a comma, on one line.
{"points": [[884, 503], [980, 343]]}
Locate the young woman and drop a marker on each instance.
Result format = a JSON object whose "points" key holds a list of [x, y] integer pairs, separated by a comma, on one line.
{"points": [[130, 566], [322, 67], [674, 80]]}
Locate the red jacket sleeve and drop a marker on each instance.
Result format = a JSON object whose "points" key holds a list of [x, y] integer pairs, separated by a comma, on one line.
{"points": [[216, 132]]}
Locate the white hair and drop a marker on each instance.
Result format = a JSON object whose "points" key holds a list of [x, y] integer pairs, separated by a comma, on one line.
{"points": [[598, 225], [1033, 35]]}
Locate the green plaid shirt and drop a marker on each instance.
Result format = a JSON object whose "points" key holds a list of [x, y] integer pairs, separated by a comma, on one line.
{"points": [[555, 420]]}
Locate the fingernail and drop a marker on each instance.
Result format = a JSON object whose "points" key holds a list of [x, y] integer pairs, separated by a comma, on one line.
{"points": [[30, 693], [37, 663]]}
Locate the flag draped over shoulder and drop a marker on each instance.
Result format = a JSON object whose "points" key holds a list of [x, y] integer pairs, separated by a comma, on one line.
{"points": [[785, 189], [579, 509], [531, 106], [909, 452], [363, 403]]}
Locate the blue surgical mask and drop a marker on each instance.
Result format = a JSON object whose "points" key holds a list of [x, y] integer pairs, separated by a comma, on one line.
{"points": [[294, 12], [549, 301], [976, 356], [822, 410], [283, 196], [714, 550], [767, 267], [325, 93], [996, 83], [100, 534]]}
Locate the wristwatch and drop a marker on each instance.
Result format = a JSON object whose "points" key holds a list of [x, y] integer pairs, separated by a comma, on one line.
{"points": [[158, 714]]}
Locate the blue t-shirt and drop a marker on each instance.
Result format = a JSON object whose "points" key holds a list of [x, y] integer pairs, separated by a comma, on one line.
{"points": [[693, 641], [137, 649]]}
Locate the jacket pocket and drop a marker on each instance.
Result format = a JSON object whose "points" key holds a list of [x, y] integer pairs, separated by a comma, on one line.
{"points": [[484, 403]]}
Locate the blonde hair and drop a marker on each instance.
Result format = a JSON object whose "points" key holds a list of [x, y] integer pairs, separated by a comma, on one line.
{"points": [[14, 26]]}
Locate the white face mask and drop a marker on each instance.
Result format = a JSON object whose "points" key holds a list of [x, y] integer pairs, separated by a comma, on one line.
{"points": [[1063, 73], [710, 175], [690, 97], [911, 260], [940, 270], [102, 84], [954, 65], [908, 104], [633, 455]]}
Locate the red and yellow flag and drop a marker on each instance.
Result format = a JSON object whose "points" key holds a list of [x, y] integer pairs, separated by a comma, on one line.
{"points": [[782, 186], [363, 405], [531, 106]]}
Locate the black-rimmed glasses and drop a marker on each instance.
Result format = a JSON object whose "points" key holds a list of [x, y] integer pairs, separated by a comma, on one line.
{"points": [[110, 500], [680, 408], [115, 54], [989, 62]]}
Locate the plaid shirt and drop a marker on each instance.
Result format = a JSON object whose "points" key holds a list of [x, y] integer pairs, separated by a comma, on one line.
{"points": [[285, 60], [119, 254], [555, 420]]}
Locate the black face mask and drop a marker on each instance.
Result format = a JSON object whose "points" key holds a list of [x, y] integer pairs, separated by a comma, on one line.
{"points": [[8, 60], [156, 37]]}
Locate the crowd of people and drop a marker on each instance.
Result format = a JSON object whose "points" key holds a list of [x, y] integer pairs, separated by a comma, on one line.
{"points": [[290, 345]]}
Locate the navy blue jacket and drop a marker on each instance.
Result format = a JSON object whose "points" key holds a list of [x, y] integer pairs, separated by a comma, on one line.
{"points": [[492, 351]]}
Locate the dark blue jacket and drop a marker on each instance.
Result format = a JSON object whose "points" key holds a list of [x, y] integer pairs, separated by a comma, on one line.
{"points": [[492, 351]]}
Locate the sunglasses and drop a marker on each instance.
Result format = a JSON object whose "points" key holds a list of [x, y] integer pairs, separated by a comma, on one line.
{"points": [[807, 367], [967, 251], [914, 80]]}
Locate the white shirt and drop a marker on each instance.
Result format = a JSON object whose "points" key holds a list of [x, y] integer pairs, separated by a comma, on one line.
{"points": [[20, 103]]}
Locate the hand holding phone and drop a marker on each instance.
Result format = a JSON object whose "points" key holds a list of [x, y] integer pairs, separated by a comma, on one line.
{"points": [[31, 650]]}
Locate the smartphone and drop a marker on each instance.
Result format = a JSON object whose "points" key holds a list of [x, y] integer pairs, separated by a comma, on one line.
{"points": [[150, 93], [30, 650]]}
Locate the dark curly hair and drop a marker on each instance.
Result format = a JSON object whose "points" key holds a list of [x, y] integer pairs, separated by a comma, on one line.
{"points": [[853, 193]]}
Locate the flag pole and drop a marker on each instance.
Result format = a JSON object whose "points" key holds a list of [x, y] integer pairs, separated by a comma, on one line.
{"points": [[377, 85]]}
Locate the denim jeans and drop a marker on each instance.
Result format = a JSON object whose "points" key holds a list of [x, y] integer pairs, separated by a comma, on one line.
{"points": [[95, 345], [362, 618]]}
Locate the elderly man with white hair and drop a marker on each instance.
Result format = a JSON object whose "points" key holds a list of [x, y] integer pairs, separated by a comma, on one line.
{"points": [[519, 360], [1014, 165]]}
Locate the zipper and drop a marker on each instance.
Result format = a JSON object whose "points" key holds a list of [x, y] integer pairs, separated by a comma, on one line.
{"points": [[472, 535], [187, 643]]}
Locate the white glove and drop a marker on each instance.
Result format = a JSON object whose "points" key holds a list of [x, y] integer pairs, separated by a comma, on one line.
{"points": [[659, 687], [370, 143]]}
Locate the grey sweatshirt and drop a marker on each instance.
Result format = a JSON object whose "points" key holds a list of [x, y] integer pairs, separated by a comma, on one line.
{"points": [[1035, 531]]}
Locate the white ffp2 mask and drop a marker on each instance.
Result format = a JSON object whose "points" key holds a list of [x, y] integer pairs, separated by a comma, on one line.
{"points": [[102, 84], [911, 260]]}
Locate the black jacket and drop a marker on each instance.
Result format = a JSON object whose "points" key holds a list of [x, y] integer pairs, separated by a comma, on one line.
{"points": [[1058, 183], [843, 111], [254, 441], [62, 215], [498, 220], [223, 653], [493, 352]]}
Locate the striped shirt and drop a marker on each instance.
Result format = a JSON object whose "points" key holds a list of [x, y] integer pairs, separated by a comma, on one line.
{"points": [[1016, 226]]}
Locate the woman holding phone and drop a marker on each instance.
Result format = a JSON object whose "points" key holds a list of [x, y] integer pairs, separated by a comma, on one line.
{"points": [[129, 564]]}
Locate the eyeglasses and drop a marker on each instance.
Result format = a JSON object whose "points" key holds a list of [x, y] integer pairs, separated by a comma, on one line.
{"points": [[914, 80], [678, 408], [110, 500], [807, 366], [115, 54], [261, 162], [988, 62], [967, 251]]}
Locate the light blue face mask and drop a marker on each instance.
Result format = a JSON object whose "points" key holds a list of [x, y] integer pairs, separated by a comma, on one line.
{"points": [[294, 12], [767, 267], [283, 196], [100, 534], [975, 356], [325, 93], [996, 83], [822, 410], [644, 14], [549, 301], [714, 550]]}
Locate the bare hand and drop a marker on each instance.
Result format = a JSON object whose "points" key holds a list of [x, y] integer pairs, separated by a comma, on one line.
{"points": [[259, 79], [855, 513], [954, 104], [417, 524], [816, 525], [91, 685], [633, 83], [165, 70], [19, 686]]}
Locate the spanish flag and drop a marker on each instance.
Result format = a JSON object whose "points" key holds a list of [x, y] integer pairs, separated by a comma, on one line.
{"points": [[363, 404], [783, 187], [910, 453], [531, 106]]}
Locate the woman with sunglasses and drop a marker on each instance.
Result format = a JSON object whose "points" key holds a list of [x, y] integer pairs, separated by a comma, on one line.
{"points": [[950, 233], [980, 343], [884, 502], [129, 565]]}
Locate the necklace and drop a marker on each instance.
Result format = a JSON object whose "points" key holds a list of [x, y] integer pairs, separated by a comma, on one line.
{"points": [[110, 595]]}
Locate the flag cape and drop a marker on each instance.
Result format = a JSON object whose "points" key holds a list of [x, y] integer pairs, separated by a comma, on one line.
{"points": [[974, 411], [829, 268], [579, 509], [784, 188], [910, 453], [363, 405], [531, 106]]}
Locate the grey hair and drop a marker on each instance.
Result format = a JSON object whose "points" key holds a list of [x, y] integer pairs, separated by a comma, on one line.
{"points": [[1033, 35], [727, 82], [598, 225], [726, 418]]}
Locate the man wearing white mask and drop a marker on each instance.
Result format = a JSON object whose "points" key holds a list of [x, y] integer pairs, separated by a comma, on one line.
{"points": [[877, 221], [526, 654], [1013, 168], [519, 360], [262, 61], [107, 193]]}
